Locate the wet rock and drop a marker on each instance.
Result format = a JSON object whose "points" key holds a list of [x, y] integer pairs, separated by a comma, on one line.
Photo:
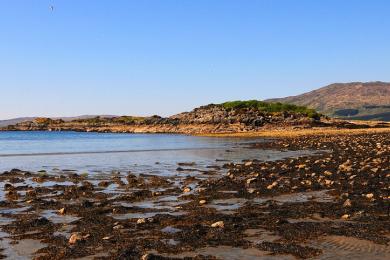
{"points": [[249, 181], [273, 185], [218, 224], [202, 202], [187, 189], [77, 237], [347, 203], [144, 220], [250, 163]]}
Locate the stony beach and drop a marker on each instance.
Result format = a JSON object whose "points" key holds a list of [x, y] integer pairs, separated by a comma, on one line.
{"points": [[333, 204]]}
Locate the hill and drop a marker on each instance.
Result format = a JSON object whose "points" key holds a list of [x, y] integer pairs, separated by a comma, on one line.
{"points": [[355, 100], [14, 121]]}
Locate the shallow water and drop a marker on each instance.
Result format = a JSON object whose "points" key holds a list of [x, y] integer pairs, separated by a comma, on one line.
{"points": [[105, 152]]}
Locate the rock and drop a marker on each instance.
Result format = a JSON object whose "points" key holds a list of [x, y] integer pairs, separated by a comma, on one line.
{"points": [[271, 186], [187, 189], [218, 224], [201, 202], [118, 227], [375, 170], [328, 173], [250, 163], [251, 191], [249, 181], [347, 203], [328, 182], [141, 221], [144, 220], [75, 237]]}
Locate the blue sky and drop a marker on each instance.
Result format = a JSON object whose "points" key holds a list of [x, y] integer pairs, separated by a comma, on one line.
{"points": [[163, 56]]}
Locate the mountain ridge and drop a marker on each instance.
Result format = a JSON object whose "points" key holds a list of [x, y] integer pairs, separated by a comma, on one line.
{"points": [[353, 100]]}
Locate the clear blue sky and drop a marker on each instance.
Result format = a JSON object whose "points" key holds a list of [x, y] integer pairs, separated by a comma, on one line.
{"points": [[162, 57]]}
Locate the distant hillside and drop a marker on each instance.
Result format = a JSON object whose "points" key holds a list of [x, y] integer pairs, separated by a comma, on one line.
{"points": [[15, 121], [18, 120], [356, 100]]}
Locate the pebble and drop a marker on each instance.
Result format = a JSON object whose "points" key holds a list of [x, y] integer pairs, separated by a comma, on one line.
{"points": [[218, 224], [187, 189], [118, 227], [347, 203], [141, 221], [251, 191], [249, 163], [75, 237], [201, 202], [249, 181]]}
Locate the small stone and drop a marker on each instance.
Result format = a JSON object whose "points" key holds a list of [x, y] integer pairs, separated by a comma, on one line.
{"points": [[369, 196], [74, 238], [249, 181], [201, 202], [249, 163], [345, 216], [271, 186], [117, 227], [328, 173], [251, 191], [328, 182], [146, 256], [141, 221], [218, 224], [187, 189], [347, 203]]}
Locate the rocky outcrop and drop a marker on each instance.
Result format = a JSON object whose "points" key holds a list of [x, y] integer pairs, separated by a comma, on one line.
{"points": [[205, 119]]}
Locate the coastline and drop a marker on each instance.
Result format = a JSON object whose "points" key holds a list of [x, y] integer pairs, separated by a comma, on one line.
{"points": [[294, 206]]}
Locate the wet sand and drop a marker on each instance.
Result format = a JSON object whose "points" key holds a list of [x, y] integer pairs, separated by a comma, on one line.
{"points": [[333, 204]]}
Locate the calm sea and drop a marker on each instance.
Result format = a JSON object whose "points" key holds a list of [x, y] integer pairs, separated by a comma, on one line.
{"points": [[106, 152]]}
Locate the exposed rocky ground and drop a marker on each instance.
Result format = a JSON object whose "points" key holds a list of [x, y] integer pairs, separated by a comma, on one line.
{"points": [[333, 204], [205, 119]]}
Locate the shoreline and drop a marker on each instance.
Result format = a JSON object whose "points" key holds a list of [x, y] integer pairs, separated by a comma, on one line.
{"points": [[283, 133], [288, 207]]}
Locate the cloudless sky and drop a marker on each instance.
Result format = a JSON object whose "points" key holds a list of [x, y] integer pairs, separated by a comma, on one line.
{"points": [[147, 57]]}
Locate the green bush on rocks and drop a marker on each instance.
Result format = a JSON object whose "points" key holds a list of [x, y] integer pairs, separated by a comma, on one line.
{"points": [[271, 107]]}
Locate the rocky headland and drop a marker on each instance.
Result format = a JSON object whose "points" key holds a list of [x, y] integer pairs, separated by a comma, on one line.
{"points": [[229, 117]]}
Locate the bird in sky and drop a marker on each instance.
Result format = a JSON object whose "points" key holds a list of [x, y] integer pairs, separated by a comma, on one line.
{"points": [[52, 8]]}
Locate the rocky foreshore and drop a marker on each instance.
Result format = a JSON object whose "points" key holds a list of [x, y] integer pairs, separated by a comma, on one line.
{"points": [[205, 119], [333, 204]]}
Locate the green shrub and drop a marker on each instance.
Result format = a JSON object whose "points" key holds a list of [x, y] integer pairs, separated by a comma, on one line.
{"points": [[271, 107]]}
